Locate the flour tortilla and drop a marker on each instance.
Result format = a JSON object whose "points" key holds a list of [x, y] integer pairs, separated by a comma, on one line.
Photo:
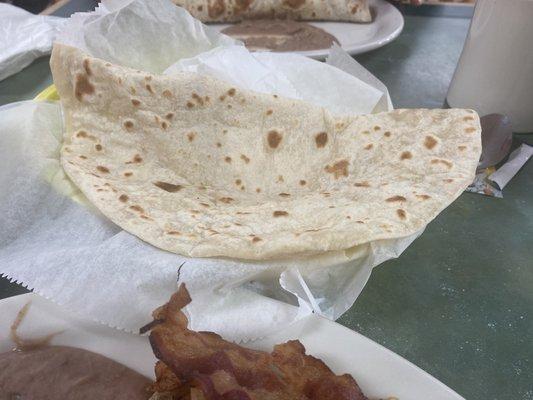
{"points": [[198, 167], [238, 10]]}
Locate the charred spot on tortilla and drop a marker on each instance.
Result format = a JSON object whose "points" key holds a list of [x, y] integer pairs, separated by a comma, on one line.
{"points": [[338, 169], [82, 86], [401, 213], [430, 142], [303, 182], [128, 124], [406, 155], [321, 139], [123, 198], [135, 102], [395, 199], [168, 187], [102, 169], [274, 139], [277, 214]]}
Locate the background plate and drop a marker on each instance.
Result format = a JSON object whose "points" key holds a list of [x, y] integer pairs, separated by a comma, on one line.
{"points": [[379, 372], [355, 38]]}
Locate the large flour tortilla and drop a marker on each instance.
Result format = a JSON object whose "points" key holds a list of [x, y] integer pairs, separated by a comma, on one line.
{"points": [[195, 166], [237, 10]]}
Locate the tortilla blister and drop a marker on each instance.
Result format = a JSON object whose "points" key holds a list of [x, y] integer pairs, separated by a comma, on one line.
{"points": [[237, 10], [197, 167]]}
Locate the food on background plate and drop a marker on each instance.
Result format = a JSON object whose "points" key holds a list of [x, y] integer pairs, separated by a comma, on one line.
{"points": [[61, 372], [238, 10], [208, 367], [197, 166], [192, 366], [280, 35]]}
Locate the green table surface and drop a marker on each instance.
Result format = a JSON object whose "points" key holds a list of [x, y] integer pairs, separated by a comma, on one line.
{"points": [[459, 301]]}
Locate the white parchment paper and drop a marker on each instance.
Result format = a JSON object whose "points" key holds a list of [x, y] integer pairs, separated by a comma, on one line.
{"points": [[67, 251]]}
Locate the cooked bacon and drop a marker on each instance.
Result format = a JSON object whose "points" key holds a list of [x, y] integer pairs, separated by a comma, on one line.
{"points": [[210, 368]]}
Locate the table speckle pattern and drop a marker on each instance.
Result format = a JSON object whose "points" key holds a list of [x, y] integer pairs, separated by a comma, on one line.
{"points": [[459, 302]]}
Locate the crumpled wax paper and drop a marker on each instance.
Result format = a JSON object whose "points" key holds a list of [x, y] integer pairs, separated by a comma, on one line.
{"points": [[24, 37], [67, 251]]}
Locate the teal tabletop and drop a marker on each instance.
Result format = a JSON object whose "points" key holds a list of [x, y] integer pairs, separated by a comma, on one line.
{"points": [[459, 302]]}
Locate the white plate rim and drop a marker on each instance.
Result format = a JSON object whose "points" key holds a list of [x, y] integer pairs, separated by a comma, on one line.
{"points": [[322, 338], [382, 9]]}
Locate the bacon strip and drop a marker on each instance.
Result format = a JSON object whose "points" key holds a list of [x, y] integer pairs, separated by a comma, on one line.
{"points": [[212, 368]]}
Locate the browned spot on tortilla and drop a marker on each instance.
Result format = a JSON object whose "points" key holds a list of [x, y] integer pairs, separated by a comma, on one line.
{"points": [[448, 180], [229, 106], [148, 78], [256, 239], [423, 196], [462, 148], [302, 182], [470, 130], [395, 198], [238, 182], [83, 157], [232, 92], [242, 213], [190, 104], [216, 8], [241, 6], [132, 90], [280, 214], [200, 8], [128, 174], [205, 205], [280, 179], [245, 159], [174, 233], [275, 96], [167, 93], [325, 194], [258, 190], [269, 112], [191, 136], [339, 169], [360, 222], [81, 134], [128, 124], [441, 161], [361, 184], [164, 125], [227, 159], [295, 4], [103, 169], [243, 187], [387, 133], [406, 155], [354, 8], [226, 200], [430, 142], [468, 118], [169, 187], [366, 132], [123, 198], [149, 88], [82, 86], [274, 139], [377, 128], [100, 190], [169, 116], [156, 119], [222, 98], [98, 147], [369, 146], [137, 158], [87, 67], [401, 213], [321, 139], [198, 99], [135, 102], [284, 195], [348, 217], [219, 144], [213, 232]]}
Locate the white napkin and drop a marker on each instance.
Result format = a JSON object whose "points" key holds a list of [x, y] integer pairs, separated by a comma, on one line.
{"points": [[24, 37]]}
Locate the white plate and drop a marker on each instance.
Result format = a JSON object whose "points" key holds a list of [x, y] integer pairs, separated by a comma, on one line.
{"points": [[356, 38], [379, 372]]}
